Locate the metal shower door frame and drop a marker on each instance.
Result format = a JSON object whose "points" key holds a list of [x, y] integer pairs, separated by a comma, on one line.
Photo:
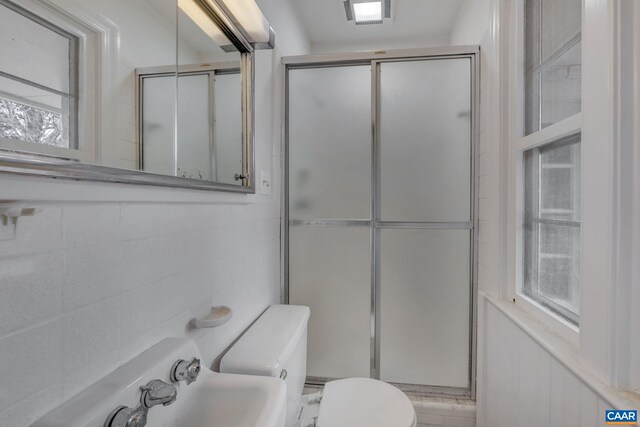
{"points": [[375, 59]]}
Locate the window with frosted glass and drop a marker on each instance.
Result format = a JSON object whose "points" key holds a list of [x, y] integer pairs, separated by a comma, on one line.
{"points": [[552, 227], [553, 62], [38, 80]]}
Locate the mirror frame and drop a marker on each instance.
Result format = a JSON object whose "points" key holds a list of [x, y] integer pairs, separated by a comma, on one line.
{"points": [[35, 165]]}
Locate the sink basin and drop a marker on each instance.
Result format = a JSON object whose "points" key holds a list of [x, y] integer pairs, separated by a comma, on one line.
{"points": [[213, 400], [231, 401]]}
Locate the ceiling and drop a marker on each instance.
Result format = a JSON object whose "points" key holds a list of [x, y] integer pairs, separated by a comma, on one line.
{"points": [[325, 22]]}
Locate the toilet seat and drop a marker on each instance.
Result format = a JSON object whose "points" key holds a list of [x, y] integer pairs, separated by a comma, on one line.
{"points": [[356, 402]]}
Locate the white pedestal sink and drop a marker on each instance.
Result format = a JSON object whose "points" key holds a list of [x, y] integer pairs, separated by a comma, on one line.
{"points": [[213, 400], [227, 400]]}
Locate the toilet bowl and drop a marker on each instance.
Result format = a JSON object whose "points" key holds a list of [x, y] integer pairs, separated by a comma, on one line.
{"points": [[276, 345]]}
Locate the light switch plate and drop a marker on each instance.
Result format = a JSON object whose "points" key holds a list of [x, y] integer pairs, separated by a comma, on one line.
{"points": [[265, 183]]}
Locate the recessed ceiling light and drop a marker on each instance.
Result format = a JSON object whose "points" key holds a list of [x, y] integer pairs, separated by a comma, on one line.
{"points": [[367, 11]]}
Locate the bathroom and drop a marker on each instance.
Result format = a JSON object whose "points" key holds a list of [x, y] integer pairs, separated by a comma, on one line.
{"points": [[382, 213]]}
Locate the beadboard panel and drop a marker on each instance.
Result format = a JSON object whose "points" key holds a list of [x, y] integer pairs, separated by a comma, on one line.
{"points": [[526, 386]]}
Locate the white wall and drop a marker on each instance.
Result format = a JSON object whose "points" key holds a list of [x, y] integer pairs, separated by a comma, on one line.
{"points": [[369, 45], [290, 35], [86, 285], [471, 22]]}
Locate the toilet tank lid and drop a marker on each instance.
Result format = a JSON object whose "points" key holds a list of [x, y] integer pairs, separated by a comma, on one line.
{"points": [[267, 345]]}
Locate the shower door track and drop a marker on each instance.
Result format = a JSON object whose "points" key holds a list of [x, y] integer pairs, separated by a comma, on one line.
{"points": [[374, 59]]}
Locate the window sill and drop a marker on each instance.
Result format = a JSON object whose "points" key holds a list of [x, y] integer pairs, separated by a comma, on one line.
{"points": [[563, 351], [567, 332]]}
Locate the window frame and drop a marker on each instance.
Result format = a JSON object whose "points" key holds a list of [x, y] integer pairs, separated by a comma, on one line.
{"points": [[518, 143], [537, 71], [533, 220], [69, 107], [609, 163], [93, 55]]}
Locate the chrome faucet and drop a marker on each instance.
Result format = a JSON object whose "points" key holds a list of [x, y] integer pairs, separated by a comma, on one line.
{"points": [[156, 392]]}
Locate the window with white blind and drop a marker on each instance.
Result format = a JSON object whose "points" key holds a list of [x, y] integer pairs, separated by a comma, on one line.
{"points": [[38, 84]]}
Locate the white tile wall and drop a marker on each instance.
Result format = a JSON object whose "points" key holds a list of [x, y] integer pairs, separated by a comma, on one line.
{"points": [[86, 287], [488, 169], [83, 288], [488, 177]]}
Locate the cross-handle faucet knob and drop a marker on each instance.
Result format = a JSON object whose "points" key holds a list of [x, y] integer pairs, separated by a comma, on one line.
{"points": [[124, 416], [157, 392], [185, 371]]}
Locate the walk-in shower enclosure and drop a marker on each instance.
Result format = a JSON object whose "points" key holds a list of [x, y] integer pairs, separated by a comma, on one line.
{"points": [[380, 214]]}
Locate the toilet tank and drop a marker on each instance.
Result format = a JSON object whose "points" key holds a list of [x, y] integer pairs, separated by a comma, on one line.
{"points": [[275, 346]]}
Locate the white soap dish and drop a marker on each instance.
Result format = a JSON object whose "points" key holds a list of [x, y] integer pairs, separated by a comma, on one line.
{"points": [[218, 316]]}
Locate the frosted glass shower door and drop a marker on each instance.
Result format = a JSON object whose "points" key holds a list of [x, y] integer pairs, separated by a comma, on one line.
{"points": [[380, 218], [425, 227], [329, 261]]}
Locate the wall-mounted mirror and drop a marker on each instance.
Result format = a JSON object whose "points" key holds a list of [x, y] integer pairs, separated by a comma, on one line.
{"points": [[147, 91]]}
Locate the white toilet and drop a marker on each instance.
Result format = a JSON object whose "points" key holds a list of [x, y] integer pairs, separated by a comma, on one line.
{"points": [[276, 345]]}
